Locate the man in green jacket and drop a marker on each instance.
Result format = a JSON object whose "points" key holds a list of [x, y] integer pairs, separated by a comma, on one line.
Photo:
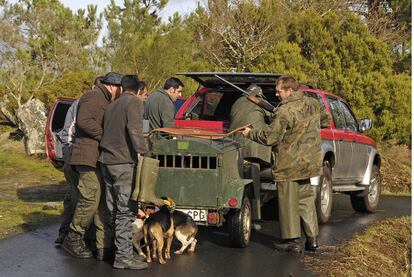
{"points": [[295, 137], [245, 112], [159, 107]]}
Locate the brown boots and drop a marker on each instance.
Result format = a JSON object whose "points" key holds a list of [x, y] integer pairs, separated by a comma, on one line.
{"points": [[75, 245]]}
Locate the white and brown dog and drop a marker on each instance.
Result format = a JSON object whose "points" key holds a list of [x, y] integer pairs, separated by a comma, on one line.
{"points": [[164, 224]]}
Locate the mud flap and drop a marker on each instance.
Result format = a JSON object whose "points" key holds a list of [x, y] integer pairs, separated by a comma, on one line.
{"points": [[252, 171]]}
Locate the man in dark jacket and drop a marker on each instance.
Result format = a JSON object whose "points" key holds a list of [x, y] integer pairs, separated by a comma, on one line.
{"points": [[84, 158], [122, 141], [295, 137], [159, 107]]}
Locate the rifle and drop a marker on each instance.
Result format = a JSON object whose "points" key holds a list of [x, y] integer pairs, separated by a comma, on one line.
{"points": [[258, 101]]}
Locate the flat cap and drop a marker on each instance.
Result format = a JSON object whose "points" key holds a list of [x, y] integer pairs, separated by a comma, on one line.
{"points": [[112, 78], [255, 90]]}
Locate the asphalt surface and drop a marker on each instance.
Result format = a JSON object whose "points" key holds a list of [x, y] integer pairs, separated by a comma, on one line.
{"points": [[34, 254]]}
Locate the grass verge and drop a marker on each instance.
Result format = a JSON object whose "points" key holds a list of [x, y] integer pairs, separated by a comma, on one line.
{"points": [[384, 249], [27, 184]]}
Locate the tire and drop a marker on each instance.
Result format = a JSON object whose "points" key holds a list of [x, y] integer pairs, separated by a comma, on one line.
{"points": [[239, 224], [324, 194], [369, 202]]}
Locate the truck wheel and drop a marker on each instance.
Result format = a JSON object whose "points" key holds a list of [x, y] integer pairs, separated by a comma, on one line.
{"points": [[239, 224], [369, 202], [324, 194]]}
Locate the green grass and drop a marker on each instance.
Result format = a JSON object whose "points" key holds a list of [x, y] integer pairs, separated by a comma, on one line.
{"points": [[384, 249], [38, 169], [18, 216], [26, 185]]}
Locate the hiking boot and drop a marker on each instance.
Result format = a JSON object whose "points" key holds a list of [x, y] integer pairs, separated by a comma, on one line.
{"points": [[289, 245], [311, 244], [139, 257], [129, 264], [60, 239], [74, 245], [105, 254]]}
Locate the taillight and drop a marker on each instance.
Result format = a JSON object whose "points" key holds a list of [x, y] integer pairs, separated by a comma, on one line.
{"points": [[49, 142], [212, 218], [232, 202]]}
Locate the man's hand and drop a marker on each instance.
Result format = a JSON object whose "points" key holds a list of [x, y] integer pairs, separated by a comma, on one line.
{"points": [[246, 131]]}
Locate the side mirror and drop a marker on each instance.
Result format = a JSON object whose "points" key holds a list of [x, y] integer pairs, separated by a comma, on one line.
{"points": [[365, 124]]}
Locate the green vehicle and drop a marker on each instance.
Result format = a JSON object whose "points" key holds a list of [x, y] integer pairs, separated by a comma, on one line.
{"points": [[205, 178]]}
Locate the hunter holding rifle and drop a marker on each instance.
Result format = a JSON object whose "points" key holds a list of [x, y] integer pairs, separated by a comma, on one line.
{"points": [[246, 112]]}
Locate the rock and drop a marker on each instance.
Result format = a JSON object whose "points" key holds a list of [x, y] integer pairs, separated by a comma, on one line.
{"points": [[32, 121]]}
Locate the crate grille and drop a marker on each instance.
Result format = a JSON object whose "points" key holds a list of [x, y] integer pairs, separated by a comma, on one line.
{"points": [[191, 162]]}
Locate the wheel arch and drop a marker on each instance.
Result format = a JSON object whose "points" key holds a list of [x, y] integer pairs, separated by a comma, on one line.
{"points": [[374, 159]]}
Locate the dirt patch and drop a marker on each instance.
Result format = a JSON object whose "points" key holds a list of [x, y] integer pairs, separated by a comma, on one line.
{"points": [[384, 249], [396, 168]]}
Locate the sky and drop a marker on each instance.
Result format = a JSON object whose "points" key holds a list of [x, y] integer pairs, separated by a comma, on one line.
{"points": [[181, 6]]}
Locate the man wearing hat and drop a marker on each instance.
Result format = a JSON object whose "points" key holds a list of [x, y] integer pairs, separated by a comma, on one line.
{"points": [[122, 142], [84, 159], [245, 112]]}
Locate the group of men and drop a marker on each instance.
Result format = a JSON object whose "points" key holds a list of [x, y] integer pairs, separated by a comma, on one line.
{"points": [[103, 140]]}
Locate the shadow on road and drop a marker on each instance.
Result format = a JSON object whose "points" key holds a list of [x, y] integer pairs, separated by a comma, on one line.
{"points": [[44, 193], [34, 220]]}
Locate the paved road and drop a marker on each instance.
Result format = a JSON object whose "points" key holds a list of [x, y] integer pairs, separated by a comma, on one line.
{"points": [[33, 254]]}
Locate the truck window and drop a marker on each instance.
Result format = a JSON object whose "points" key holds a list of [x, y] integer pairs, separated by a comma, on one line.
{"points": [[337, 113], [350, 121], [59, 116]]}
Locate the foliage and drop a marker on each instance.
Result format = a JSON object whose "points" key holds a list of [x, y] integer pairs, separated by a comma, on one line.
{"points": [[50, 51], [42, 39], [341, 56], [233, 34], [138, 42], [71, 84]]}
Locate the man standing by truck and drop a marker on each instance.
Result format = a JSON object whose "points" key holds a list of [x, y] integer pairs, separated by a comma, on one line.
{"points": [[84, 158], [122, 142], [159, 107], [295, 137]]}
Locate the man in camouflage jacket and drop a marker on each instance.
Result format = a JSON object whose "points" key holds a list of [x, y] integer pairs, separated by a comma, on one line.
{"points": [[295, 137]]}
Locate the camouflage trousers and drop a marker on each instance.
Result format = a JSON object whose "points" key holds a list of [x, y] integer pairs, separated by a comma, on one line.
{"points": [[118, 181], [72, 196], [91, 207], [296, 206]]}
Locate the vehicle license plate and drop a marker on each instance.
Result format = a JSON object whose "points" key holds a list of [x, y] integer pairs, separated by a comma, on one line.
{"points": [[197, 215]]}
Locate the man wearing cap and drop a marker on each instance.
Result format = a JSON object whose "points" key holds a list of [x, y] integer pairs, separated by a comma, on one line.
{"points": [[245, 112], [122, 142], [159, 107], [295, 137], [84, 159]]}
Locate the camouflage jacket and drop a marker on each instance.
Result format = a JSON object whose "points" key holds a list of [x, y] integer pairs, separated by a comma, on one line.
{"points": [[244, 112], [295, 137]]}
